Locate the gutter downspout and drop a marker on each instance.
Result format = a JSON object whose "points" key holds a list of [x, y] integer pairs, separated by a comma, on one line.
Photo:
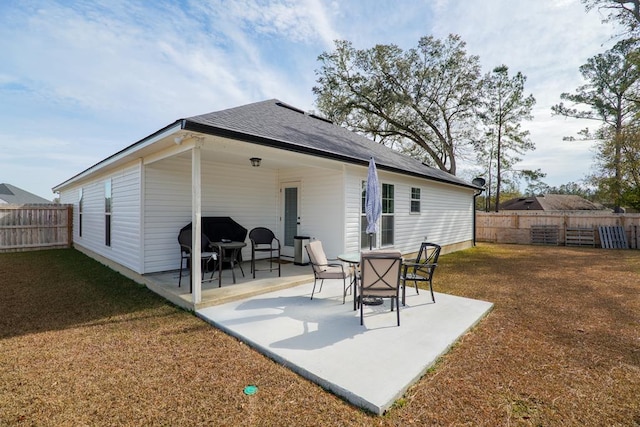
{"points": [[479, 182], [474, 216]]}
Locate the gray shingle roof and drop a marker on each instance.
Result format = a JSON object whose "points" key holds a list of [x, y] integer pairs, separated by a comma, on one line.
{"points": [[277, 124], [551, 202], [13, 195]]}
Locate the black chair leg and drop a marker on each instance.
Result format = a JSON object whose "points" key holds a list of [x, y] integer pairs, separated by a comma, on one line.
{"points": [[279, 266], [241, 270], [404, 297], [253, 265], [182, 261]]}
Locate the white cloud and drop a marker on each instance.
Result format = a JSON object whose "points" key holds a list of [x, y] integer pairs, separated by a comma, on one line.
{"points": [[547, 40], [81, 80]]}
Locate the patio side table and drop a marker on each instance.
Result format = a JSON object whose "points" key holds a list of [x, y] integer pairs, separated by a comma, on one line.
{"points": [[231, 249]]}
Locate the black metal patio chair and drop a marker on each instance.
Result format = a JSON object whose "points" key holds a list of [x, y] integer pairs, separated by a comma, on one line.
{"points": [[206, 255], [421, 269], [264, 241]]}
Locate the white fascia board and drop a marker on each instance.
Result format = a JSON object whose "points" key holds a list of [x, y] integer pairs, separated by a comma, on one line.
{"points": [[118, 157], [174, 150]]}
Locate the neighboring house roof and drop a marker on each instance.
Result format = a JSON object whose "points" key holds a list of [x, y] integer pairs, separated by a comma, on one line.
{"points": [[275, 124], [550, 202], [10, 194]]}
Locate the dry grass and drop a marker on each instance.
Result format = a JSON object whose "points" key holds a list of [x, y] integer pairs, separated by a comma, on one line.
{"points": [[81, 345]]}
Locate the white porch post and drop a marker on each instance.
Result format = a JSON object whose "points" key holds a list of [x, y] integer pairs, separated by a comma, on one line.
{"points": [[196, 229]]}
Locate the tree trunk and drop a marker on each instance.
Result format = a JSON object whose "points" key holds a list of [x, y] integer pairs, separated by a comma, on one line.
{"points": [[498, 166], [617, 160]]}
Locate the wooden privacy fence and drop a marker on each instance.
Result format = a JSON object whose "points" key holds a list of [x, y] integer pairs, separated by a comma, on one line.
{"points": [[571, 228], [29, 227]]}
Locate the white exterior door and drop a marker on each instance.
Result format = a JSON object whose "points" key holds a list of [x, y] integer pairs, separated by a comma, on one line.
{"points": [[290, 215]]}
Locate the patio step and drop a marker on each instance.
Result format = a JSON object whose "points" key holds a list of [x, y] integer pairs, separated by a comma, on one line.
{"points": [[231, 293]]}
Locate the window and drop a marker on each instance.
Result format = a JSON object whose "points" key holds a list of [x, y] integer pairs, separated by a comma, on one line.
{"points": [[387, 220], [388, 210], [415, 200], [364, 237], [80, 203], [107, 212]]}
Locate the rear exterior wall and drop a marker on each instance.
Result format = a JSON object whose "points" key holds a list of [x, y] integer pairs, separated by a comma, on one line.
{"points": [[125, 215], [445, 217]]}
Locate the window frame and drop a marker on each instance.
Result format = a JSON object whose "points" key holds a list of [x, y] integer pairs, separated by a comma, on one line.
{"points": [[80, 210], [108, 210], [364, 237], [415, 201], [387, 219]]}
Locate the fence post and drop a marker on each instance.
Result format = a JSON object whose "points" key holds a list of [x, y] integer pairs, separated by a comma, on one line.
{"points": [[69, 226]]}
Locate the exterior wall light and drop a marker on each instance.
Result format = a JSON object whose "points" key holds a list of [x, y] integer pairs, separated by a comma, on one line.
{"points": [[255, 161]]}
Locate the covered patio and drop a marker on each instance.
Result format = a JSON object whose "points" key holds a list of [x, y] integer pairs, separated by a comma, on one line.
{"points": [[165, 284]]}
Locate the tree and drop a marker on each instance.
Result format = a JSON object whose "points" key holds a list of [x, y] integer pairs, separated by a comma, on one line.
{"points": [[611, 95], [504, 106], [628, 164], [533, 179], [625, 12], [573, 188], [419, 101], [631, 168]]}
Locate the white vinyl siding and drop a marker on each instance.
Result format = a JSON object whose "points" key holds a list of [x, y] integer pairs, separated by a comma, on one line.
{"points": [[353, 207], [125, 220], [167, 187], [322, 206], [71, 196], [125, 209], [446, 214], [247, 194], [157, 196]]}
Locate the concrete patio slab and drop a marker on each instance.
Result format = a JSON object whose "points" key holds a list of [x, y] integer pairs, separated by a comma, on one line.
{"points": [[371, 365]]}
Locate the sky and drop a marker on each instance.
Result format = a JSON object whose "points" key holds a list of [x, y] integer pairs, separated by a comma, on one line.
{"points": [[83, 79]]}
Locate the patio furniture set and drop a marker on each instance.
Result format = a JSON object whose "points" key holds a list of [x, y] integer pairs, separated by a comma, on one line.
{"points": [[376, 274], [222, 240], [371, 276]]}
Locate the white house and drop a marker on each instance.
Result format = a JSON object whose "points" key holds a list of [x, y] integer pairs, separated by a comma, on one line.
{"points": [[130, 206]]}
